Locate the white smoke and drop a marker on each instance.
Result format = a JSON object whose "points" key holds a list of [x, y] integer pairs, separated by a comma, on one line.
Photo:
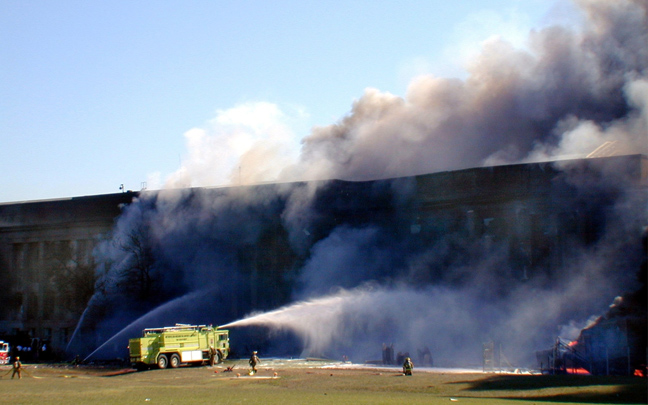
{"points": [[246, 144], [452, 321]]}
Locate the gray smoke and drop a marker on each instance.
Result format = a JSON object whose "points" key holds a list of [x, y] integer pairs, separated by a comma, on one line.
{"points": [[570, 92], [360, 281]]}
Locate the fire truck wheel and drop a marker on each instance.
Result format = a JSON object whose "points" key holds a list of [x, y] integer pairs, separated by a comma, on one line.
{"points": [[174, 361], [162, 361]]}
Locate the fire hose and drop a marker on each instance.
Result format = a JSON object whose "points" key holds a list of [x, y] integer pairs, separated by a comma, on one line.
{"points": [[22, 369]]}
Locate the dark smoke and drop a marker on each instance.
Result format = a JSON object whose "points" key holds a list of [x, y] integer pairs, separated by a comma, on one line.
{"points": [[351, 247]]}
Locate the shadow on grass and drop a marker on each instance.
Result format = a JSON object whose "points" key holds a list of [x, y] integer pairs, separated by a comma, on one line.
{"points": [[624, 395], [621, 390], [120, 372]]}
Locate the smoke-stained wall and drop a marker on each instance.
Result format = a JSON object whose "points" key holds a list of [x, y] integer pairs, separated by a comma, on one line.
{"points": [[444, 261]]}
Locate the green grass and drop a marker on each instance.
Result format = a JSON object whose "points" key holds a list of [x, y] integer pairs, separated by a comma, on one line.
{"points": [[309, 385]]}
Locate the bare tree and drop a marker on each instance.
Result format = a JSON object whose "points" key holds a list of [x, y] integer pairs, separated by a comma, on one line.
{"points": [[137, 276]]}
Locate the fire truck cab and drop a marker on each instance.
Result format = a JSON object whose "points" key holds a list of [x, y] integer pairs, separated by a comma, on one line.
{"points": [[4, 352]]}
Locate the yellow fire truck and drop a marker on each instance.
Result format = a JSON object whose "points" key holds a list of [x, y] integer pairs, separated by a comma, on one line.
{"points": [[173, 345]]}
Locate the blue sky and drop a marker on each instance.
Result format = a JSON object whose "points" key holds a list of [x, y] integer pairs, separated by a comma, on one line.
{"points": [[101, 93]]}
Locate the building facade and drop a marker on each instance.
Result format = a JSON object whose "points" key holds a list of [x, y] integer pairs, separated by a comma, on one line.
{"points": [[536, 211], [47, 265]]}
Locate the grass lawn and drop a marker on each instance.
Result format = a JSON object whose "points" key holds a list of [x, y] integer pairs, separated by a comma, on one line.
{"points": [[308, 384]]}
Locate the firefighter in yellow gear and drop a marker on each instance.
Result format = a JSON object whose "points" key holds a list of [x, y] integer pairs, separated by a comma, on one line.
{"points": [[408, 366], [254, 360], [17, 368], [212, 356]]}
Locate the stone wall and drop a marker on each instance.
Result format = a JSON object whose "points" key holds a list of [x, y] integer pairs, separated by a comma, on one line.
{"points": [[46, 262]]}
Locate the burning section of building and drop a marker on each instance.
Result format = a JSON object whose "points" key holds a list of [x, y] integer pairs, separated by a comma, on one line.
{"points": [[614, 343]]}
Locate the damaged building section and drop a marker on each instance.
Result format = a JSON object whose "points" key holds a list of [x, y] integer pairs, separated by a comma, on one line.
{"points": [[445, 261], [614, 343]]}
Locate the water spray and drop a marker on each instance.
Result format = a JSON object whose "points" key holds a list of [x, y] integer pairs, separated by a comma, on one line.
{"points": [[173, 304]]}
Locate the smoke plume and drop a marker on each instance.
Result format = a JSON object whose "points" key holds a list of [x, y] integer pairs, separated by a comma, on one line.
{"points": [[347, 279], [565, 95]]}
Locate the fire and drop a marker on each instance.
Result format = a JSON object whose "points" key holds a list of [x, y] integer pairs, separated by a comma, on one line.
{"points": [[579, 371]]}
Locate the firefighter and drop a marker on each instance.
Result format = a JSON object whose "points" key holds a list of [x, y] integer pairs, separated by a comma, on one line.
{"points": [[408, 365], [17, 368], [254, 360], [212, 356]]}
